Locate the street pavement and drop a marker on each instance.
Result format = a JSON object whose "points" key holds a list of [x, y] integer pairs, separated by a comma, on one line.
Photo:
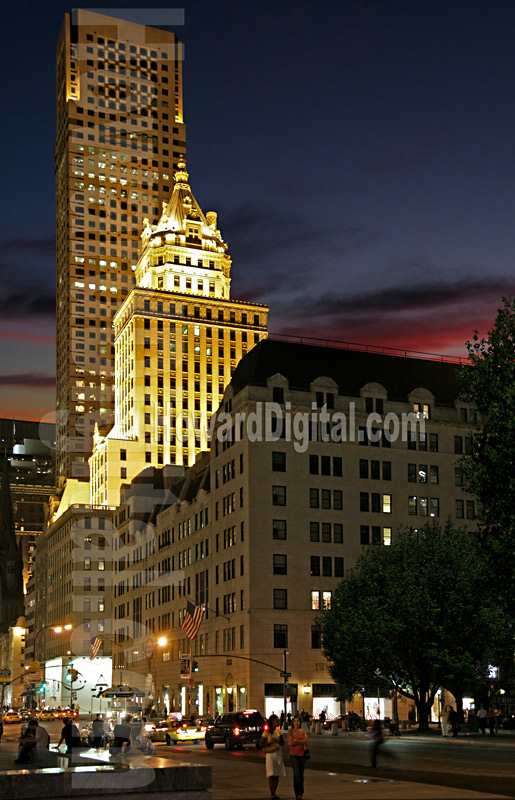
{"points": [[470, 767]]}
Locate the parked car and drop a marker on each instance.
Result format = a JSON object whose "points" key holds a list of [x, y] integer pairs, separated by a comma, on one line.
{"points": [[236, 730], [173, 731], [11, 716]]}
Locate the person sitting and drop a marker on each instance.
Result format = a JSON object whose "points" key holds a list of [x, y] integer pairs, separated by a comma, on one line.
{"points": [[35, 736]]}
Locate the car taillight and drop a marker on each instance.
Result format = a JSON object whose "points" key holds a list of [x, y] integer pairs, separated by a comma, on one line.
{"points": [[185, 725], [265, 727], [202, 728], [236, 731]]}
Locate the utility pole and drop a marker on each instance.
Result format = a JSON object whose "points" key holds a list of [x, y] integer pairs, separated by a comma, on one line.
{"points": [[285, 675]]}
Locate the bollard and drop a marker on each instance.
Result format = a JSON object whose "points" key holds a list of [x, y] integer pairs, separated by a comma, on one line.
{"points": [[313, 726], [404, 725], [345, 725], [334, 729], [319, 728]]}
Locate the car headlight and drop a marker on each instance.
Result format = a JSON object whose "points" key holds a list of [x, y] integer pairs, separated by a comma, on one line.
{"points": [[149, 727]]}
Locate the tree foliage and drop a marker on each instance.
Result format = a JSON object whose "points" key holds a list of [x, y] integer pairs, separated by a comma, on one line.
{"points": [[417, 615], [490, 388]]}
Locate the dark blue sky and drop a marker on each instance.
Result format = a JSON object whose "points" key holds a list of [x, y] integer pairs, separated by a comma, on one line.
{"points": [[359, 154]]}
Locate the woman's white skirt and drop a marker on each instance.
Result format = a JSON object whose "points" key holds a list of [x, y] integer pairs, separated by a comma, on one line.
{"points": [[275, 764]]}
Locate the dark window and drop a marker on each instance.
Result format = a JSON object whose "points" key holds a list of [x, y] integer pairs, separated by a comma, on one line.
{"points": [[326, 498], [433, 443], [279, 564], [363, 468], [471, 514], [326, 531], [338, 567], [387, 470], [281, 636], [279, 529], [316, 638], [278, 462], [327, 566], [374, 470], [337, 466], [313, 498], [376, 534], [280, 598], [279, 495], [313, 465], [458, 445], [337, 533], [315, 565], [325, 465], [458, 509], [412, 473], [278, 394], [376, 502], [364, 501], [364, 534], [314, 532], [337, 499]]}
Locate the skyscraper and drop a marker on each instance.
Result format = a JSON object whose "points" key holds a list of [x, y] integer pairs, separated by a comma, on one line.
{"points": [[178, 340], [120, 133]]}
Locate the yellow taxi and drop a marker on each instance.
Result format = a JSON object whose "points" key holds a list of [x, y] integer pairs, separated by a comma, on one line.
{"points": [[11, 716], [174, 731], [47, 714]]}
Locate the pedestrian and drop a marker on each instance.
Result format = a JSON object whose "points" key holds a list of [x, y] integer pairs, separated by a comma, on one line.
{"points": [[1, 729], [322, 717], [122, 736], [444, 718], [270, 743], [377, 741], [35, 736], [498, 721], [98, 732], [70, 735], [298, 741], [490, 721], [481, 719], [453, 720], [281, 720]]}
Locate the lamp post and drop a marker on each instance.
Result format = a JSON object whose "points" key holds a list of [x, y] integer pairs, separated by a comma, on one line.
{"points": [[35, 665]]}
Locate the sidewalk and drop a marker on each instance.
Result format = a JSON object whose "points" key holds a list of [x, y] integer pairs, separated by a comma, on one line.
{"points": [[247, 781]]}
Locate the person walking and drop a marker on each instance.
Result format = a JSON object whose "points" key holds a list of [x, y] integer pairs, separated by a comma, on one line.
{"points": [[270, 743], [481, 719], [377, 741], [490, 721], [298, 741], [453, 720], [98, 732], [444, 718]]}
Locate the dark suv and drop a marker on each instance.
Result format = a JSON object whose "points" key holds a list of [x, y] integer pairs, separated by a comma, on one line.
{"points": [[236, 730]]}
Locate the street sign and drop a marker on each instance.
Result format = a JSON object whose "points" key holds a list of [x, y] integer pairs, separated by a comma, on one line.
{"points": [[34, 666], [185, 660], [5, 676], [285, 674]]}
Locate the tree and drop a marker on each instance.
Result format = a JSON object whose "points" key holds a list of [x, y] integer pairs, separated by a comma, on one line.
{"points": [[489, 471], [416, 616]]}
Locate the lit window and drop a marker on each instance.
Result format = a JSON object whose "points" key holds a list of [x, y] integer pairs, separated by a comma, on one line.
{"points": [[387, 536], [101, 564], [315, 601], [387, 504], [326, 600]]}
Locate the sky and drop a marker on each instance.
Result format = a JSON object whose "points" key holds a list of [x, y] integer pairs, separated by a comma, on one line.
{"points": [[359, 155]]}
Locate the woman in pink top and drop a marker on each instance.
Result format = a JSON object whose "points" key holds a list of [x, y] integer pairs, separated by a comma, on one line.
{"points": [[298, 741]]}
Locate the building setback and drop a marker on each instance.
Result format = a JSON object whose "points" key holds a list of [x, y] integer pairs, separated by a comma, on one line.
{"points": [[120, 133], [178, 339], [262, 531]]}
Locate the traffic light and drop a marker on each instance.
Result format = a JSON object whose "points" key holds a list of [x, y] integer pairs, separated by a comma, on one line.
{"points": [[73, 673], [195, 666], [43, 687]]}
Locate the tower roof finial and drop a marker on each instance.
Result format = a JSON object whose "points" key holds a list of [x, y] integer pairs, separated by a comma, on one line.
{"points": [[181, 176]]}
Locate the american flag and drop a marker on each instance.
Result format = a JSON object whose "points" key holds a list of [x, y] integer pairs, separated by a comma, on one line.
{"points": [[94, 646], [192, 619]]}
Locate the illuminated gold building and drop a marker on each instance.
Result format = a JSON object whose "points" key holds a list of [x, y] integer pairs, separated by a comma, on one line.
{"points": [[178, 338], [120, 133]]}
